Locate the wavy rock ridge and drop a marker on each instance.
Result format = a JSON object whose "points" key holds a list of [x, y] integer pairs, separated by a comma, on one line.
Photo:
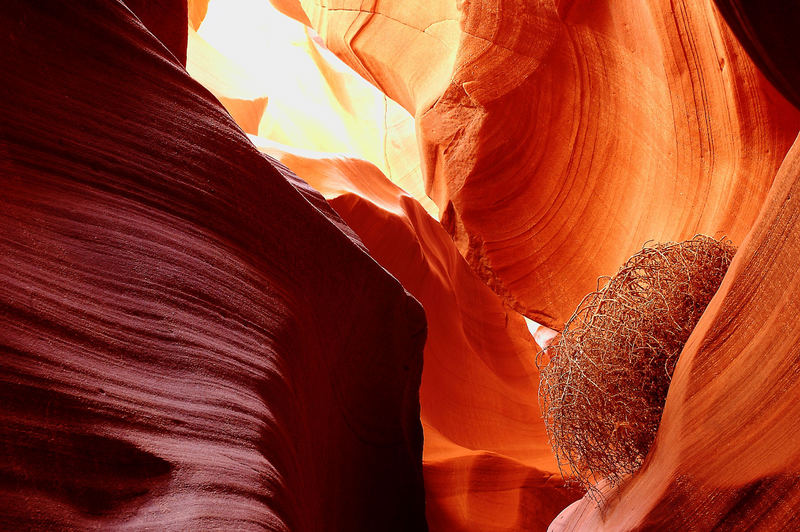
{"points": [[558, 137], [486, 460], [187, 341], [726, 452]]}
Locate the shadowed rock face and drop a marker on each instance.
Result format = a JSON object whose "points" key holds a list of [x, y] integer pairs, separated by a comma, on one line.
{"points": [[166, 19], [768, 31], [187, 341], [558, 137], [486, 460], [192, 338]]}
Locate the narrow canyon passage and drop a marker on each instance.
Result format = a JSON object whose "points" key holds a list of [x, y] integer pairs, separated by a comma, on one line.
{"points": [[284, 264]]}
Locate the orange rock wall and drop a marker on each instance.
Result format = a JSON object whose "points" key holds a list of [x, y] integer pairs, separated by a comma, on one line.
{"points": [[486, 460], [558, 137], [726, 454], [191, 337]]}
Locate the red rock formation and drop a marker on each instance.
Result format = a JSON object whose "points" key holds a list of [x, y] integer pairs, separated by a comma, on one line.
{"points": [[555, 157], [768, 31], [558, 137], [186, 342], [166, 19], [726, 455], [487, 463]]}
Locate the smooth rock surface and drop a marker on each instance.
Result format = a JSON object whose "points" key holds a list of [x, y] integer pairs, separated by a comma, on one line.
{"points": [[768, 31], [487, 463], [166, 19], [727, 452], [558, 137], [187, 341]]}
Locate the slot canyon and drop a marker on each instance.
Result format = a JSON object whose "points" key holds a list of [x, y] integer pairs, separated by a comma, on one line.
{"points": [[296, 265]]}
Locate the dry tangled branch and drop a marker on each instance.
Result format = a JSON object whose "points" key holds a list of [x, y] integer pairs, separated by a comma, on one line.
{"points": [[604, 388]]}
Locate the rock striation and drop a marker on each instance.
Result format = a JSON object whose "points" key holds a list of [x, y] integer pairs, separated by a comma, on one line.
{"points": [[486, 460], [726, 453], [557, 137], [188, 338]]}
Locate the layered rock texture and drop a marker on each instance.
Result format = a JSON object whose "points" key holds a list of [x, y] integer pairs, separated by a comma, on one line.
{"points": [[558, 137], [194, 337], [726, 455], [187, 341], [486, 459]]}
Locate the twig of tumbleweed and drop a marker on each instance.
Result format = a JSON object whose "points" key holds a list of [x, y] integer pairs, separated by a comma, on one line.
{"points": [[603, 390]]}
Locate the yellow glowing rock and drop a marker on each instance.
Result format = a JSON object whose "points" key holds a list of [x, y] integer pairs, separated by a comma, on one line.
{"points": [[299, 93]]}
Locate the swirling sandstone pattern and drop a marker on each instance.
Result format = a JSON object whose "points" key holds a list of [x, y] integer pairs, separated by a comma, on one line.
{"points": [[726, 455], [192, 338], [187, 341], [487, 463], [727, 450], [558, 137]]}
